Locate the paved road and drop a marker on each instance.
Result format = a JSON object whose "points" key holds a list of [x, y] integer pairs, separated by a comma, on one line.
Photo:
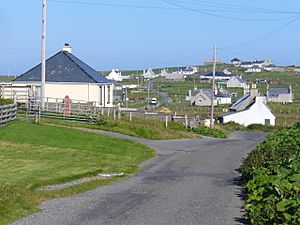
{"points": [[191, 182]]}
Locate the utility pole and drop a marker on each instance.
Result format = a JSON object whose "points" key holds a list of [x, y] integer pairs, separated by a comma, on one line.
{"points": [[43, 72], [149, 93], [213, 89]]}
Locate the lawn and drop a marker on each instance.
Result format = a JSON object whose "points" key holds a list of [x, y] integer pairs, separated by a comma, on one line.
{"points": [[34, 155]]}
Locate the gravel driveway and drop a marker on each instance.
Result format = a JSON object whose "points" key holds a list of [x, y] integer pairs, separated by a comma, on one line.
{"points": [[191, 182]]}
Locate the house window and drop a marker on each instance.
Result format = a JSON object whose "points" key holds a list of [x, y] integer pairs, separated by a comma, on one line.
{"points": [[267, 122]]}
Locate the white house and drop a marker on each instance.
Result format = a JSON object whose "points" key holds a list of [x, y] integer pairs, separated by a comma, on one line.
{"points": [[236, 62], [149, 74], [66, 75], [236, 82], [222, 96], [189, 70], [250, 109], [115, 74], [172, 76], [254, 69], [218, 76]]}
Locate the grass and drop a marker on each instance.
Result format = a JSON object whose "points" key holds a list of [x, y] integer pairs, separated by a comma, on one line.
{"points": [[139, 127], [6, 78], [34, 155]]}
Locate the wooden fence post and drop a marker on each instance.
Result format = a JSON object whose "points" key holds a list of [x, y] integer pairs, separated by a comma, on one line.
{"points": [[166, 121], [186, 121], [130, 116]]}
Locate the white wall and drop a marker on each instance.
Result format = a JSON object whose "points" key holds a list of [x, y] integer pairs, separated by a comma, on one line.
{"points": [[255, 115]]}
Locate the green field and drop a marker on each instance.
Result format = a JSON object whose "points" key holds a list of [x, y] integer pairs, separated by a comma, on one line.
{"points": [[6, 78], [34, 155]]}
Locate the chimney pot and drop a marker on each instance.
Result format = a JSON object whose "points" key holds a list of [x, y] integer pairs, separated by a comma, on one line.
{"points": [[67, 48]]}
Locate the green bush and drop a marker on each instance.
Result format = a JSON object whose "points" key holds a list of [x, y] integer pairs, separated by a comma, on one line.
{"points": [[6, 101], [206, 131], [272, 175]]}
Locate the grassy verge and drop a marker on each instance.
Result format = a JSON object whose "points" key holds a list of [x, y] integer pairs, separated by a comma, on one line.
{"points": [[209, 132], [34, 155], [139, 127]]}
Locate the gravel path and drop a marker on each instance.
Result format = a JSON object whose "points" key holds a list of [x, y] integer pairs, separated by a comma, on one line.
{"points": [[190, 182]]}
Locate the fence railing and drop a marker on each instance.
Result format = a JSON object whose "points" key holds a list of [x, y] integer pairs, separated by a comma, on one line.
{"points": [[8, 113]]}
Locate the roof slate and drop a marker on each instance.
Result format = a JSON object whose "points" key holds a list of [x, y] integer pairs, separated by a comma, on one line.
{"points": [[278, 91], [64, 67], [218, 74]]}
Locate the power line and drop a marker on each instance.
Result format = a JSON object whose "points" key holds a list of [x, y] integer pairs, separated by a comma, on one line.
{"points": [[113, 5], [226, 8], [261, 38], [239, 8], [204, 12]]}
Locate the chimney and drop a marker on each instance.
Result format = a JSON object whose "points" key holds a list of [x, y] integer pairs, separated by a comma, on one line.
{"points": [[190, 93], [268, 92], [254, 91], [67, 48], [246, 89]]}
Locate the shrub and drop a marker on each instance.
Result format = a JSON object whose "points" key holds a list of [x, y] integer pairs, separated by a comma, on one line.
{"points": [[206, 131], [272, 173]]}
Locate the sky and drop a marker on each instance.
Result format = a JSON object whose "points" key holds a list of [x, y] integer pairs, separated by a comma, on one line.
{"points": [[138, 34]]}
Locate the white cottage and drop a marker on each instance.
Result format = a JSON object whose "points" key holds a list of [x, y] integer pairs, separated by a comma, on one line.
{"points": [[236, 82], [115, 74], [250, 109], [68, 75]]}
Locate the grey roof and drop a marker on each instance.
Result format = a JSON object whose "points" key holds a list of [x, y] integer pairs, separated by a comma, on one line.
{"points": [[235, 60], [218, 74], [243, 103], [64, 67], [240, 80], [278, 91], [246, 63], [204, 91], [222, 93]]}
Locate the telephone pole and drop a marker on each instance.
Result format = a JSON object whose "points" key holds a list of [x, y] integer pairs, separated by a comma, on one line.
{"points": [[43, 72], [213, 89]]}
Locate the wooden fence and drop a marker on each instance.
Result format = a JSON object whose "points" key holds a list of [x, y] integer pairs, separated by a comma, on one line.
{"points": [[8, 113]]}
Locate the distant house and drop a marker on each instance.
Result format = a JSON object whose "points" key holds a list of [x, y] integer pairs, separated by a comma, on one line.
{"points": [[203, 97], [218, 76], [246, 64], [262, 63], [283, 95], [149, 74], [189, 70], [236, 62], [273, 68], [115, 74], [200, 98], [68, 75], [223, 96], [236, 82], [250, 109], [172, 76], [254, 69], [256, 63], [226, 71]]}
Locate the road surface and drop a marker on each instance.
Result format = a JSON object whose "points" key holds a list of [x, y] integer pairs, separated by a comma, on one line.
{"points": [[191, 182]]}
